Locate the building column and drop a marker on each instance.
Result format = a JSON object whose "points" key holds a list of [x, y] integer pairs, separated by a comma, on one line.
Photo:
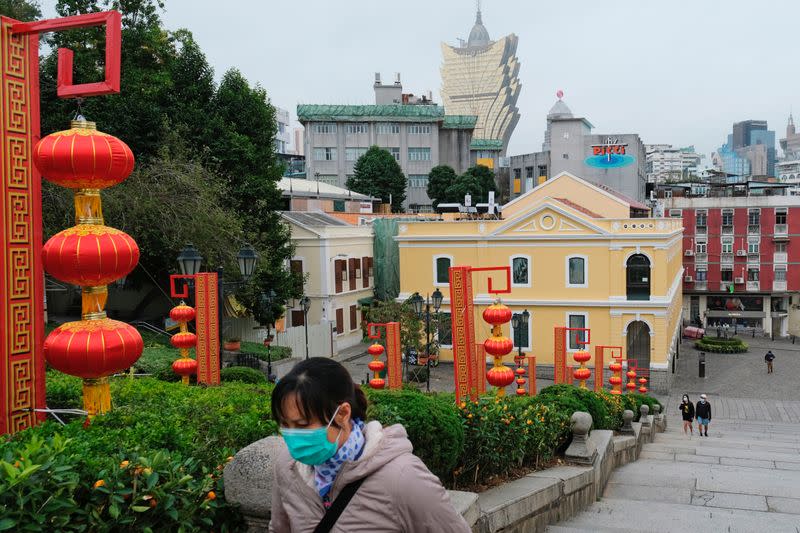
{"points": [[766, 305]]}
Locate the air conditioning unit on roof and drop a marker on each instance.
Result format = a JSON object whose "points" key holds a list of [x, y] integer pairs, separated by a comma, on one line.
{"points": [[741, 253]]}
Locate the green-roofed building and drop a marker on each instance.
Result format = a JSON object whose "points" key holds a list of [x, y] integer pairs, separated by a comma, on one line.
{"points": [[418, 133]]}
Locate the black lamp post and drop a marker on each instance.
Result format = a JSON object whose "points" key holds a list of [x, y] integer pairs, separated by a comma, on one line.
{"points": [[305, 303], [519, 322], [267, 301], [189, 260], [416, 302]]}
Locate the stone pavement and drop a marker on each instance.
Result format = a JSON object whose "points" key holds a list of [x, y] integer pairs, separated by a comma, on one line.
{"points": [[745, 476]]}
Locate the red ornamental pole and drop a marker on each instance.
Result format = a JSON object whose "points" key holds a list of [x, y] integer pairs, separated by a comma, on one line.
{"points": [[532, 375]]}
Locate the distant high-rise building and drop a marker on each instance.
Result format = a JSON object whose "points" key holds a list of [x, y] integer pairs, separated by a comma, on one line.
{"points": [[791, 143], [480, 77], [283, 137], [667, 163], [752, 142]]}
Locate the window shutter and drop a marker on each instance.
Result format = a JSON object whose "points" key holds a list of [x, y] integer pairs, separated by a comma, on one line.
{"points": [[353, 318], [351, 263], [339, 321], [337, 274], [296, 269], [365, 267], [298, 318]]}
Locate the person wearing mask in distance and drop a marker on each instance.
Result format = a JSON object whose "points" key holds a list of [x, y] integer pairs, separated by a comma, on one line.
{"points": [[703, 413], [687, 413], [332, 453]]}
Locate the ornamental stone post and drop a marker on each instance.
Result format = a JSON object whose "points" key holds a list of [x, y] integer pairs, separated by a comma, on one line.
{"points": [[644, 412], [627, 418], [581, 450]]}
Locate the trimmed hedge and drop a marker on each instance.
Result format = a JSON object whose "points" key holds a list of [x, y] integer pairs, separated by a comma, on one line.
{"points": [[714, 345], [242, 373]]}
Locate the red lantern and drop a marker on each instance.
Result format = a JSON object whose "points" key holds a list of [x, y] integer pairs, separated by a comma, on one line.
{"points": [[581, 356], [377, 383], [500, 376], [498, 346], [615, 366], [376, 366], [631, 374], [582, 373], [83, 158], [185, 367], [497, 314], [521, 381], [90, 255], [615, 380], [375, 350], [520, 371], [184, 340], [182, 313], [521, 392], [93, 349]]}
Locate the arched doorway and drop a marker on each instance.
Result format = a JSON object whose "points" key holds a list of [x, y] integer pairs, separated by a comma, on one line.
{"points": [[637, 274], [638, 343]]}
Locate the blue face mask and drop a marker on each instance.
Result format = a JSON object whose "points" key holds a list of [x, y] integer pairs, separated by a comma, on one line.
{"points": [[311, 446]]}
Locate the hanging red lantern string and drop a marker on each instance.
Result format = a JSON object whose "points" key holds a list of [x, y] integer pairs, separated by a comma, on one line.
{"points": [[498, 346]]}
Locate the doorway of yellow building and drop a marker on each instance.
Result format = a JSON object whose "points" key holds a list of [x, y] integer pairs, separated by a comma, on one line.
{"points": [[639, 344]]}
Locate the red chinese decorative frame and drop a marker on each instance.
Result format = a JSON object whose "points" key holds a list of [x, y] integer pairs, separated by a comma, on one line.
{"points": [[560, 352], [207, 324], [599, 363], [394, 364]]}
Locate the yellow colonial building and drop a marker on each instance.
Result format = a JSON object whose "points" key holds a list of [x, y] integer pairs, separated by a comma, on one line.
{"points": [[581, 256]]}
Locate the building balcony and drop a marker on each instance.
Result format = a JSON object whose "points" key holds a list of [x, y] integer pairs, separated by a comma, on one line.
{"points": [[725, 286], [727, 230], [780, 257], [726, 259], [701, 230], [781, 232], [779, 286], [701, 285], [701, 257], [754, 229], [753, 285], [753, 257]]}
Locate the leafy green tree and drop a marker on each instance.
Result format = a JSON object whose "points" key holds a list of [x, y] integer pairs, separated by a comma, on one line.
{"points": [[378, 174], [477, 181], [24, 10], [439, 179], [412, 328]]}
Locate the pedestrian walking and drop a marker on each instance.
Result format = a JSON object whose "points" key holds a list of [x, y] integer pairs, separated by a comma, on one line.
{"points": [[703, 413], [769, 358], [340, 473], [687, 413]]}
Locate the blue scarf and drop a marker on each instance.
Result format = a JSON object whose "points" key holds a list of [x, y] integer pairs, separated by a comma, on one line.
{"points": [[325, 474]]}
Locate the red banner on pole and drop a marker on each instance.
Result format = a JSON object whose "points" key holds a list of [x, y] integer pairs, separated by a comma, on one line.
{"points": [[207, 323], [560, 355], [479, 376], [463, 331], [394, 356]]}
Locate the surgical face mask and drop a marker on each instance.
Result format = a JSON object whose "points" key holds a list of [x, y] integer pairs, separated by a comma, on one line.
{"points": [[311, 446], [685, 399]]}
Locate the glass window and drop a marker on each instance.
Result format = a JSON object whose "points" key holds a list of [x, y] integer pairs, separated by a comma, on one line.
{"points": [[352, 154], [528, 172], [519, 271], [780, 216], [418, 181], [577, 271], [419, 154], [780, 274], [517, 173], [358, 127], [444, 329], [384, 128], [338, 206], [701, 274], [753, 247], [752, 274], [727, 245], [419, 129], [780, 247], [726, 274], [521, 336], [443, 270], [330, 179], [576, 321], [702, 217], [395, 152], [675, 213], [727, 217], [325, 127], [700, 247], [754, 217], [324, 154]]}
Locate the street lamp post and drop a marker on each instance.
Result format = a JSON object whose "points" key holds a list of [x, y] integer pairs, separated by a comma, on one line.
{"points": [[416, 302], [305, 302], [519, 322], [190, 260], [268, 300]]}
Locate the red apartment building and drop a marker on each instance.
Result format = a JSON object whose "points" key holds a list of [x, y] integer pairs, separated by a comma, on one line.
{"points": [[741, 246]]}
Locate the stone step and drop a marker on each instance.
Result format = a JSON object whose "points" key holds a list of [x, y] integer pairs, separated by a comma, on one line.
{"points": [[571, 529], [664, 517]]}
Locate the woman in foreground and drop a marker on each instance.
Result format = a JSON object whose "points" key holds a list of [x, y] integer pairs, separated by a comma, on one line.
{"points": [[336, 464]]}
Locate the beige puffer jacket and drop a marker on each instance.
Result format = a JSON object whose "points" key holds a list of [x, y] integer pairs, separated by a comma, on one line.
{"points": [[398, 494]]}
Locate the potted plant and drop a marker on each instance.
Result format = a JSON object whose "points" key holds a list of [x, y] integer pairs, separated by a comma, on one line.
{"points": [[233, 344]]}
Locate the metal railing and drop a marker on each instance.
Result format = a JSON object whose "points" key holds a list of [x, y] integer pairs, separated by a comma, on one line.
{"points": [[753, 285]]}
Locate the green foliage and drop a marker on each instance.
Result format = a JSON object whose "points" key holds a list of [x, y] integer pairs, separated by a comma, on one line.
{"points": [[23, 10], [634, 402], [721, 345], [412, 327], [378, 174], [439, 179], [242, 374], [477, 181], [63, 391], [276, 352], [432, 424], [579, 399]]}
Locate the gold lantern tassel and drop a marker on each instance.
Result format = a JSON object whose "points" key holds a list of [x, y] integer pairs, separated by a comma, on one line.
{"points": [[96, 396]]}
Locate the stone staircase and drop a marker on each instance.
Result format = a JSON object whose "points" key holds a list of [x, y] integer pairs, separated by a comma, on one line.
{"points": [[745, 476]]}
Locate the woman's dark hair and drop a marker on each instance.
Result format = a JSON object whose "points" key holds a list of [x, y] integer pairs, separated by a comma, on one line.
{"points": [[687, 398], [321, 385]]}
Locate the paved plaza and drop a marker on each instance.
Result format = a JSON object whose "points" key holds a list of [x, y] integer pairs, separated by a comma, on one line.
{"points": [[745, 476]]}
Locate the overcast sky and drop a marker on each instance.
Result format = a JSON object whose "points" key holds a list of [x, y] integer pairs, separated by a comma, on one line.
{"points": [[676, 71]]}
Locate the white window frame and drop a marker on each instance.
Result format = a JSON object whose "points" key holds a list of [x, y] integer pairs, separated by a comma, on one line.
{"points": [[436, 282], [726, 269], [529, 346], [585, 316], [355, 128], [700, 246], [421, 153], [754, 246], [530, 270], [585, 272], [697, 271], [436, 338], [726, 241], [353, 153], [676, 213], [779, 268], [395, 151], [419, 129], [722, 217], [782, 245], [414, 181], [325, 128], [325, 151], [392, 127], [697, 214], [330, 179]]}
